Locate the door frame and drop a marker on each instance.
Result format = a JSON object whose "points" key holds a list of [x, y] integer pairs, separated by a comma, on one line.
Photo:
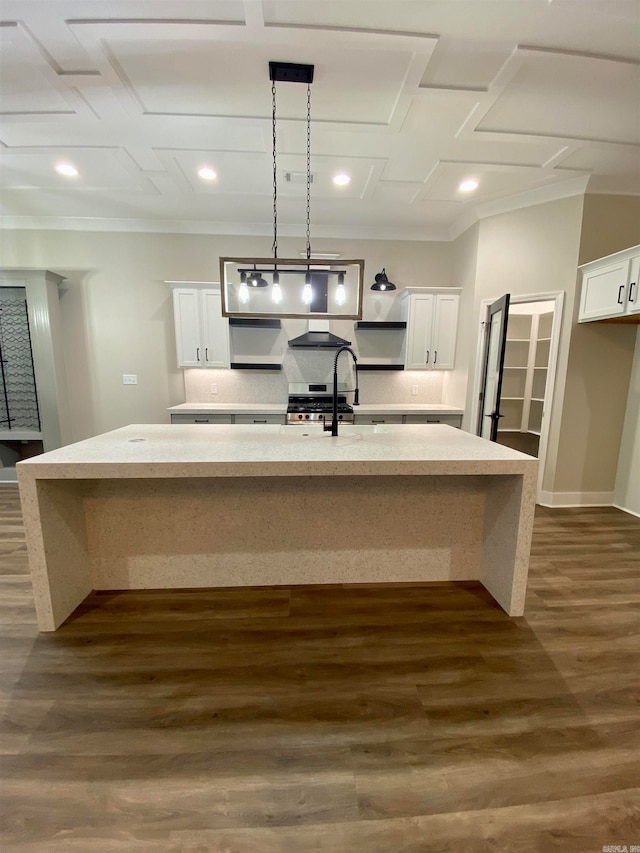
{"points": [[556, 296]]}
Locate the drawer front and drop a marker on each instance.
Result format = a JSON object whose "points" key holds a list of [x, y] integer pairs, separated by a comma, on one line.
{"points": [[377, 419], [449, 420], [200, 419], [259, 419]]}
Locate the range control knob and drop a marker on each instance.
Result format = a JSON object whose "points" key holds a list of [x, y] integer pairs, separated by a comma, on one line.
{"points": [[299, 417]]}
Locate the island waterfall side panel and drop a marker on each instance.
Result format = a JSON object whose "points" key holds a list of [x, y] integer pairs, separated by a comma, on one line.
{"points": [[284, 530]]}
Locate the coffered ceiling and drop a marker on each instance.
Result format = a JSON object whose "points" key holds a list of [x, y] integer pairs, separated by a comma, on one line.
{"points": [[532, 98]]}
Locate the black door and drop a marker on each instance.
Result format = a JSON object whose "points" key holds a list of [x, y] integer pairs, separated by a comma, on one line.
{"points": [[493, 366]]}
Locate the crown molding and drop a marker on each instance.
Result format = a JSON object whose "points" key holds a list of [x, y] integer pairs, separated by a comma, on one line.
{"points": [[231, 229]]}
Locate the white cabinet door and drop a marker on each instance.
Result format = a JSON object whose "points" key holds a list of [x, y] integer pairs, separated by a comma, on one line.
{"points": [[215, 330], [604, 291], [186, 313], [202, 333], [432, 322], [419, 328], [445, 325]]}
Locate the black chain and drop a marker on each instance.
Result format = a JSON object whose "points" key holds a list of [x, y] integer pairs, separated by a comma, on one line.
{"points": [[275, 175], [308, 171]]}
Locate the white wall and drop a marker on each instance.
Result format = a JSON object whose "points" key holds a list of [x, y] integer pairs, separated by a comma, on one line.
{"points": [[463, 274], [627, 486], [117, 315]]}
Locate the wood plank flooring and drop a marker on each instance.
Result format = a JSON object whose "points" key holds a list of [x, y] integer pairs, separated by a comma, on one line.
{"points": [[363, 718]]}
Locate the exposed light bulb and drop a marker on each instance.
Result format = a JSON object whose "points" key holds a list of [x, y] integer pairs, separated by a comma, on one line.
{"points": [[307, 294], [383, 287], [276, 293], [341, 295], [243, 293], [66, 169], [341, 180]]}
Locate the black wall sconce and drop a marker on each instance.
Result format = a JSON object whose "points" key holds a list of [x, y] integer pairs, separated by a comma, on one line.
{"points": [[382, 282]]}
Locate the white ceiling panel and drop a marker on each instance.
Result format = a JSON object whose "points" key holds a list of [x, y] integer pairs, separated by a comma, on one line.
{"points": [[212, 78], [408, 98], [533, 102]]}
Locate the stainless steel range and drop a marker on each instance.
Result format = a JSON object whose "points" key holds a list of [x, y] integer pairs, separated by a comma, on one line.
{"points": [[312, 403]]}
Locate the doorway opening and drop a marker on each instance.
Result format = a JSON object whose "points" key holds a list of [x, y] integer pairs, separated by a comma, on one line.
{"points": [[527, 378]]}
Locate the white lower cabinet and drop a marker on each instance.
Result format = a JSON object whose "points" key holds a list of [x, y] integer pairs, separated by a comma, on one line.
{"points": [[258, 419], [377, 419], [448, 420], [610, 287], [200, 419], [432, 323], [202, 333], [382, 418]]}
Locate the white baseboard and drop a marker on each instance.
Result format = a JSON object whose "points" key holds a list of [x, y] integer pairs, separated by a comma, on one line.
{"points": [[569, 499], [630, 511]]}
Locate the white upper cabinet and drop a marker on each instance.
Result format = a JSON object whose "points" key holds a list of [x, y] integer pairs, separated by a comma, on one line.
{"points": [[610, 287], [202, 333], [432, 322]]}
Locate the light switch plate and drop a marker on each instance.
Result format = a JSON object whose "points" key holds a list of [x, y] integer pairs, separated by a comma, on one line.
{"points": [[214, 388], [129, 379], [414, 390]]}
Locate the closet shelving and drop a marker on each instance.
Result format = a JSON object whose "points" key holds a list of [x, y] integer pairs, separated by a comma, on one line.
{"points": [[524, 379]]}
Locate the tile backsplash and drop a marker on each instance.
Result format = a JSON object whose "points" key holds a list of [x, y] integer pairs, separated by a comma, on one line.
{"points": [[264, 386]]}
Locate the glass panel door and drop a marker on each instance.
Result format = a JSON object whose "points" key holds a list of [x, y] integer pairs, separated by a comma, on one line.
{"points": [[491, 388]]}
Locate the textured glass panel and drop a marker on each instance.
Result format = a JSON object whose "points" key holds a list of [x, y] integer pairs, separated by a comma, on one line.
{"points": [[18, 398]]}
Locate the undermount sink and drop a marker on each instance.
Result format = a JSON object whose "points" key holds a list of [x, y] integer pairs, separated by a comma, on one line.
{"points": [[353, 431]]}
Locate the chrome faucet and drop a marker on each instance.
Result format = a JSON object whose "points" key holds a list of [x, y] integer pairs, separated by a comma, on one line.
{"points": [[356, 398]]}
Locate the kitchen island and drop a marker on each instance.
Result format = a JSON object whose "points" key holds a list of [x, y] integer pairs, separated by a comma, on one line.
{"points": [[159, 506]]}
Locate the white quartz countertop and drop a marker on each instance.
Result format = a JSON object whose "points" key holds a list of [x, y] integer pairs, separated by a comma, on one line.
{"points": [[281, 408], [211, 450]]}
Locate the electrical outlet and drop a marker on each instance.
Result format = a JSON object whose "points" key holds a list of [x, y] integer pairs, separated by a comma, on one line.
{"points": [[214, 388], [414, 390], [129, 379]]}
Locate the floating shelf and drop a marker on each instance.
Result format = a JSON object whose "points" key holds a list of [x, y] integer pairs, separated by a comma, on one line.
{"points": [[250, 365], [255, 322], [373, 324], [362, 366]]}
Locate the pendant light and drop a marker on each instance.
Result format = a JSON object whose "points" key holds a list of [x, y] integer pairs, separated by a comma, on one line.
{"points": [[304, 290], [382, 283]]}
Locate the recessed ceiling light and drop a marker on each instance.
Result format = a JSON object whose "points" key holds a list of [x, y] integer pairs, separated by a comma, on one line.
{"points": [[207, 174], [468, 186], [66, 169], [341, 180]]}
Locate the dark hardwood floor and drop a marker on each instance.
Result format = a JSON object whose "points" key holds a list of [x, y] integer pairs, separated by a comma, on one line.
{"points": [[386, 719]]}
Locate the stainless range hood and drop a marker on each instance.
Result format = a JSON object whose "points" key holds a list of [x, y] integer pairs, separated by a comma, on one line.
{"points": [[318, 334]]}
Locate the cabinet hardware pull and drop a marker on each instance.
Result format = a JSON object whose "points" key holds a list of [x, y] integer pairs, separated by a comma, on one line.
{"points": [[432, 422], [201, 420], [381, 421], [435, 356], [620, 289], [197, 353], [427, 359], [206, 353], [258, 422], [631, 286]]}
